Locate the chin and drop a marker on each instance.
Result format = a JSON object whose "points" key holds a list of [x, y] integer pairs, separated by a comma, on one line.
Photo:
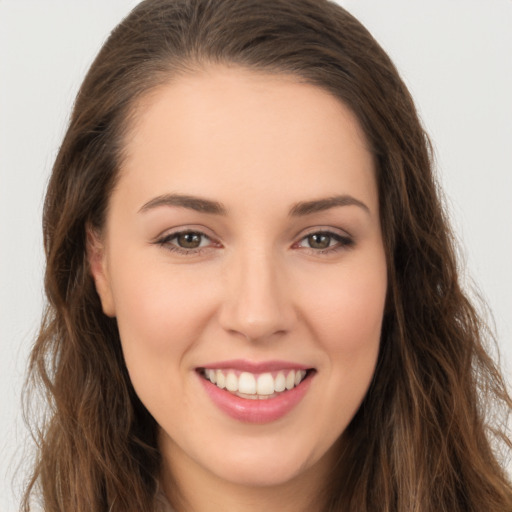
{"points": [[267, 463], [259, 473]]}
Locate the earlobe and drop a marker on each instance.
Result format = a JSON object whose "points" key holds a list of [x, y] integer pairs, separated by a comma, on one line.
{"points": [[97, 258]]}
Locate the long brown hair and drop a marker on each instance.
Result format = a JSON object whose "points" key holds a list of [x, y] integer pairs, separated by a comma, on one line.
{"points": [[425, 438]]}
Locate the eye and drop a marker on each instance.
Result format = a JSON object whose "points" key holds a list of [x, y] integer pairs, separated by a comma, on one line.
{"points": [[319, 240], [190, 240], [325, 241], [185, 242]]}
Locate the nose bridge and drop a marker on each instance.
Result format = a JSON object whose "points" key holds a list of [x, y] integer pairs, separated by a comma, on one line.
{"points": [[257, 304]]}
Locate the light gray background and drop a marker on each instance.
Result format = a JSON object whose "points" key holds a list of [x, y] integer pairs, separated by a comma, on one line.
{"points": [[455, 55]]}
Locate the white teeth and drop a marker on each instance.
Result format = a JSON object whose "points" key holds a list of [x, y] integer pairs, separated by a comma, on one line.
{"points": [[231, 382], [265, 384], [290, 380], [221, 380], [249, 385], [280, 382]]}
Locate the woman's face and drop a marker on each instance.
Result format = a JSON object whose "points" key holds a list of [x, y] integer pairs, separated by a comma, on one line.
{"points": [[243, 246]]}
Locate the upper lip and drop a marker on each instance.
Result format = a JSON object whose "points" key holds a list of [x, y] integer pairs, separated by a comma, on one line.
{"points": [[255, 367]]}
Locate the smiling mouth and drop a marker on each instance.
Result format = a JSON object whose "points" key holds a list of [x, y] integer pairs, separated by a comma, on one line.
{"points": [[255, 386]]}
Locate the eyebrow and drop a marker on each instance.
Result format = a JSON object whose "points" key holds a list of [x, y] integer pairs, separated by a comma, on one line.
{"points": [[202, 205], [320, 205], [184, 201]]}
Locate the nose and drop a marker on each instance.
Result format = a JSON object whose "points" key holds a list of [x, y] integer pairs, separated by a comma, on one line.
{"points": [[257, 301]]}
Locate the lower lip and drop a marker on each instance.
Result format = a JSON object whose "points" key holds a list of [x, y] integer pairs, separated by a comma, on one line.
{"points": [[256, 411]]}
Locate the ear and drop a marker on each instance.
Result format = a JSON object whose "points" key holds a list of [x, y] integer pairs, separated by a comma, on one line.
{"points": [[98, 265]]}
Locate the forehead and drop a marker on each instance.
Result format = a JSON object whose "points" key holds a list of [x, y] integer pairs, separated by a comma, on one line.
{"points": [[224, 129]]}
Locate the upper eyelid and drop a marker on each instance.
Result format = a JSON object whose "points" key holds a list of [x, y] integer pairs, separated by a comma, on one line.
{"points": [[340, 239], [172, 236], [175, 234], [171, 233], [323, 229], [166, 242], [167, 239]]}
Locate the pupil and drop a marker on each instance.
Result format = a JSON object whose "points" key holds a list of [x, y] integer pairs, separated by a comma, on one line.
{"points": [[189, 240], [319, 241]]}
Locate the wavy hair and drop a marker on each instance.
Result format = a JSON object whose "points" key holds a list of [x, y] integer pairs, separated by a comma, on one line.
{"points": [[427, 437]]}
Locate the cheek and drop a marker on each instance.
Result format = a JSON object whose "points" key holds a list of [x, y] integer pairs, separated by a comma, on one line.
{"points": [[160, 313], [343, 310], [348, 326], [346, 314]]}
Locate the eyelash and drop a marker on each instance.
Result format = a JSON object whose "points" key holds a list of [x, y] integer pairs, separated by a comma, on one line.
{"points": [[342, 242], [166, 242]]}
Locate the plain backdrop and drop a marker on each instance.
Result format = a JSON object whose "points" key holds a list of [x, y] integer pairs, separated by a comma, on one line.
{"points": [[455, 56]]}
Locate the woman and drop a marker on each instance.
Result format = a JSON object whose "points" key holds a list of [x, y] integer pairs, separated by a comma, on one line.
{"points": [[253, 295]]}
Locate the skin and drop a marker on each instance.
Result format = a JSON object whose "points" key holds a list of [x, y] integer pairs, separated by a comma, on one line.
{"points": [[256, 290]]}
